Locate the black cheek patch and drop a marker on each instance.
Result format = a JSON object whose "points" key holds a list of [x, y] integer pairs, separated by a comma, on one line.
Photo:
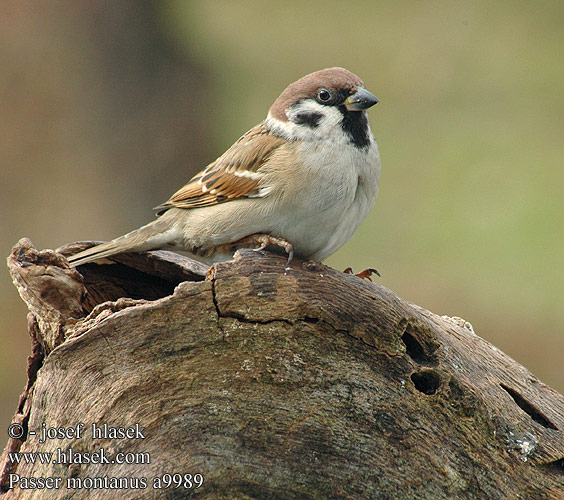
{"points": [[311, 119]]}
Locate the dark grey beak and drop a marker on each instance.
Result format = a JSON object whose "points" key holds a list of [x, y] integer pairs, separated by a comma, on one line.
{"points": [[360, 100]]}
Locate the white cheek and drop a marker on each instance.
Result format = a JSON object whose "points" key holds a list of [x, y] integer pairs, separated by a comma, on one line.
{"points": [[328, 126]]}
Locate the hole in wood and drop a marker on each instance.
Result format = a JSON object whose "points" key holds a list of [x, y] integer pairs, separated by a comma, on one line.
{"points": [[426, 381], [556, 465], [528, 408], [413, 348], [111, 282], [309, 319], [419, 345]]}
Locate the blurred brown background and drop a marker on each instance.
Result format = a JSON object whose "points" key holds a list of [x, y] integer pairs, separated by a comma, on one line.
{"points": [[106, 108]]}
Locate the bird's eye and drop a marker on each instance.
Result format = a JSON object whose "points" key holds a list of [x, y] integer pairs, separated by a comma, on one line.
{"points": [[323, 95]]}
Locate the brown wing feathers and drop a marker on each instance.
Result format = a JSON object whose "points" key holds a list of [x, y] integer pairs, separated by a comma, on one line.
{"points": [[233, 175]]}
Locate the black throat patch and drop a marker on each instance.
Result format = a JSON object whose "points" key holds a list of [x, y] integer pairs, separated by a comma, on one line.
{"points": [[355, 124]]}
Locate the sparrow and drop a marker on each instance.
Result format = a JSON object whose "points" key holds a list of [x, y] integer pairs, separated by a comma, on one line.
{"points": [[302, 180]]}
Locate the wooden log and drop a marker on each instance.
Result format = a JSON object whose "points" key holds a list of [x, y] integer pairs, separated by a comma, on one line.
{"points": [[266, 381]]}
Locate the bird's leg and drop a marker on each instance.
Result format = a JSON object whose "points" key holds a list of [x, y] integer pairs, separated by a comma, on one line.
{"points": [[265, 240], [365, 275]]}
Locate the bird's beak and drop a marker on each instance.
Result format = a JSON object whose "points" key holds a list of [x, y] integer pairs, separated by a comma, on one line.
{"points": [[360, 100]]}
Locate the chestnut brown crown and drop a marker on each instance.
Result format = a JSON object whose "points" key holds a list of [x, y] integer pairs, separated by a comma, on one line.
{"points": [[335, 79]]}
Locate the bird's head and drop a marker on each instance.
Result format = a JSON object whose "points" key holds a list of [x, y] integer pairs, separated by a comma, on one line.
{"points": [[323, 105]]}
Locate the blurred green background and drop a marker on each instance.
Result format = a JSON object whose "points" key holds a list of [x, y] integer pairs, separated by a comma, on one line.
{"points": [[106, 108]]}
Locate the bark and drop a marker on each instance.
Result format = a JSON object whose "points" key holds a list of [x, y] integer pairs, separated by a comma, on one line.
{"points": [[270, 382]]}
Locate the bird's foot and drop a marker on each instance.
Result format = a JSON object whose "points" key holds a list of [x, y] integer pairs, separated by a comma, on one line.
{"points": [[365, 275], [265, 240]]}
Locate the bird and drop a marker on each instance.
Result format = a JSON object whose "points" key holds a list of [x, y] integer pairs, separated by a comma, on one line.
{"points": [[301, 182]]}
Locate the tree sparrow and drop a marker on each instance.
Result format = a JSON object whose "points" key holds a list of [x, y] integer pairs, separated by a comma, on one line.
{"points": [[303, 180]]}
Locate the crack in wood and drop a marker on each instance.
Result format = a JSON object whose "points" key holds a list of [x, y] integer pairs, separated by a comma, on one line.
{"points": [[529, 408]]}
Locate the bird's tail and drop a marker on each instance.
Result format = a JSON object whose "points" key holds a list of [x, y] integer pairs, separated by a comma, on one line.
{"points": [[156, 234]]}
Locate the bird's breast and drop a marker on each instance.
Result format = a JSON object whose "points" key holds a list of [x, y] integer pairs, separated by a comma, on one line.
{"points": [[329, 199]]}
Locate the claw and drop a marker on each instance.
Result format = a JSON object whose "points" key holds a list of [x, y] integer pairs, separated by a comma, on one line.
{"points": [[365, 275], [265, 240], [290, 254]]}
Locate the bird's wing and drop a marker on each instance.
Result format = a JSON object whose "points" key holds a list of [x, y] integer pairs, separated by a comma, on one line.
{"points": [[233, 175]]}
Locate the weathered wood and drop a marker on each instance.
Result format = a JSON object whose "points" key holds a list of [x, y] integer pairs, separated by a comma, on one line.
{"points": [[274, 382]]}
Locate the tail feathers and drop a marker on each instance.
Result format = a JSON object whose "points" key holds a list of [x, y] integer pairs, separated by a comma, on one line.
{"points": [[97, 252], [149, 237]]}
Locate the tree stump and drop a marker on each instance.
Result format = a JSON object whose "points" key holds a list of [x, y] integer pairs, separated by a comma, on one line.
{"points": [[253, 380]]}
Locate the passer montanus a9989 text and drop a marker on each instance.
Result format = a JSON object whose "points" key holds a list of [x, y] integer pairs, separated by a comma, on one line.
{"points": [[303, 179]]}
